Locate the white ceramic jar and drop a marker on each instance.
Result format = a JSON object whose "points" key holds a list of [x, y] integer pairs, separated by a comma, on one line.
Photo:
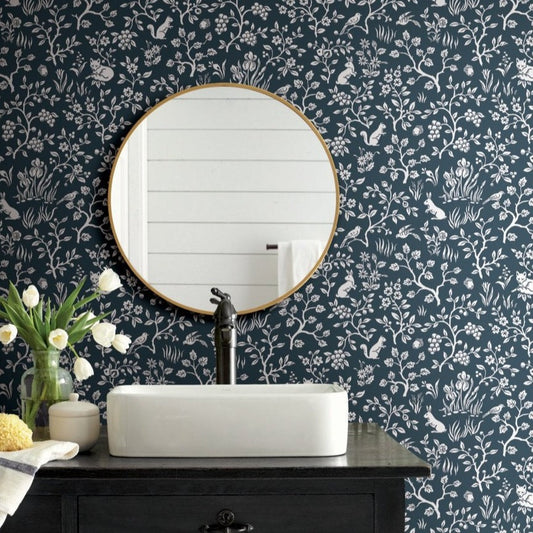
{"points": [[75, 421]]}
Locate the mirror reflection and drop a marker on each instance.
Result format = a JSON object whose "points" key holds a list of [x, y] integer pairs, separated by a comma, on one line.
{"points": [[223, 186]]}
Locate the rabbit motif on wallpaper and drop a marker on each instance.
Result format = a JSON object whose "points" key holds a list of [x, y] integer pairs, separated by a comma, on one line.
{"points": [[436, 425], [437, 212]]}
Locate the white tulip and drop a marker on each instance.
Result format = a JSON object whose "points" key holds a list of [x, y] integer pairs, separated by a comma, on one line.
{"points": [[121, 343], [103, 333], [108, 281], [58, 338], [88, 315], [30, 296], [8, 332], [82, 369]]}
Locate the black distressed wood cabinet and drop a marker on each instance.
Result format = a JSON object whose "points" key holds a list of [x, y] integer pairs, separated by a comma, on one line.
{"points": [[360, 492]]}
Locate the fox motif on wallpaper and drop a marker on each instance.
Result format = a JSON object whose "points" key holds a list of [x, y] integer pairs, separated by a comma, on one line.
{"points": [[100, 72], [525, 284], [525, 497], [525, 71]]}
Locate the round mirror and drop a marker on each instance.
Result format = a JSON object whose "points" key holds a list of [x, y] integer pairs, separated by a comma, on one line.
{"points": [[224, 186]]}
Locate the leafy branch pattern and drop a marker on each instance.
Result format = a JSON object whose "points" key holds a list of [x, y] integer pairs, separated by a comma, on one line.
{"points": [[421, 310]]}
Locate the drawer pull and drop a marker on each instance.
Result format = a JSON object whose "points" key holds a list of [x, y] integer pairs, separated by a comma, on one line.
{"points": [[226, 524]]}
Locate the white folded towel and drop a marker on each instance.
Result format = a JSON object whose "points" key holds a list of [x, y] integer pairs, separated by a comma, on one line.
{"points": [[295, 261], [17, 470]]}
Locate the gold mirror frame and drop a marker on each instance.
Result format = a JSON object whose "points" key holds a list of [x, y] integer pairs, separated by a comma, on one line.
{"points": [[113, 180]]}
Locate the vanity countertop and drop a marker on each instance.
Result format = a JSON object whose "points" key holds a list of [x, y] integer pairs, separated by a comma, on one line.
{"points": [[98, 492], [370, 453]]}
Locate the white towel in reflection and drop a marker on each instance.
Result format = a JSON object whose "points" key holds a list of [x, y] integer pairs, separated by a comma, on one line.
{"points": [[295, 261], [17, 470]]}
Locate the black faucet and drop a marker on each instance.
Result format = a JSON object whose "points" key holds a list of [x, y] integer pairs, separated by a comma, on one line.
{"points": [[225, 338]]}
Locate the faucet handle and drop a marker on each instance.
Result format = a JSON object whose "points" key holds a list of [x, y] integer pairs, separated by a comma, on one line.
{"points": [[225, 312], [222, 295]]}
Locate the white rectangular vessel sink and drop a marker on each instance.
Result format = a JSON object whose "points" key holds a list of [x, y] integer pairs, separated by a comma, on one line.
{"points": [[227, 420]]}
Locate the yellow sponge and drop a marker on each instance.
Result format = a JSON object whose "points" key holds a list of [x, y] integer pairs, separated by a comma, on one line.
{"points": [[14, 433]]}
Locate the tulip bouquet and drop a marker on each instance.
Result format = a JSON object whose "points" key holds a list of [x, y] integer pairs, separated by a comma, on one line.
{"points": [[47, 329]]}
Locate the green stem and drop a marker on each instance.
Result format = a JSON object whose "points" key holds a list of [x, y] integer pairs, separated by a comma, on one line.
{"points": [[73, 350]]}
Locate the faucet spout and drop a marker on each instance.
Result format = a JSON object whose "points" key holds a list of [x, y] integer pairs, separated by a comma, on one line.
{"points": [[225, 338]]}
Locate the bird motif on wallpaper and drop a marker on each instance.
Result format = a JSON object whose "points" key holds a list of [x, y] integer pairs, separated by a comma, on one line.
{"points": [[496, 197], [282, 91], [351, 22], [406, 231], [406, 18], [351, 236], [496, 410]]}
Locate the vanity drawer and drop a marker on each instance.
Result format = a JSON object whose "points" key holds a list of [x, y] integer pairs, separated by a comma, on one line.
{"points": [[36, 513], [310, 513]]}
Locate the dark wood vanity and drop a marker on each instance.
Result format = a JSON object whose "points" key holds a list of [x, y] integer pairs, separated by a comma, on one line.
{"points": [[360, 492]]}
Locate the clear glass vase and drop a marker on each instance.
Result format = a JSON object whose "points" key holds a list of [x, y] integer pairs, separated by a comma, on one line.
{"points": [[41, 386]]}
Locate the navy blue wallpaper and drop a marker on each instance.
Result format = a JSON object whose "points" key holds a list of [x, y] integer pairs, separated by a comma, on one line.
{"points": [[422, 308]]}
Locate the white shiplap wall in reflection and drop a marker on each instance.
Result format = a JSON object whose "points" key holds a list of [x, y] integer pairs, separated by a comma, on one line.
{"points": [[239, 175], [235, 173]]}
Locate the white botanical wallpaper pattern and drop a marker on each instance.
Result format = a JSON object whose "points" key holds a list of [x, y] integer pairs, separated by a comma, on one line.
{"points": [[421, 309]]}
